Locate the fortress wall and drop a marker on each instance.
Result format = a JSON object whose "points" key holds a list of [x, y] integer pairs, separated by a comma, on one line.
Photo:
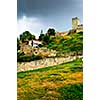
{"points": [[24, 66]]}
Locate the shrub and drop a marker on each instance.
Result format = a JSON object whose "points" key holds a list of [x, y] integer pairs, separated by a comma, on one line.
{"points": [[72, 92], [25, 58]]}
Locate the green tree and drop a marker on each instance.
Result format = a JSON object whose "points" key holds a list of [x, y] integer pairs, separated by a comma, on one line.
{"points": [[51, 32], [46, 39], [26, 36], [32, 37], [18, 44], [41, 37]]}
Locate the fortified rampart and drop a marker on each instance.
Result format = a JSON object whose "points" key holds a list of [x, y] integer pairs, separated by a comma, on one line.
{"points": [[24, 66]]}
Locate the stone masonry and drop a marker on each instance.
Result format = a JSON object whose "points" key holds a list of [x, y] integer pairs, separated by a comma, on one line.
{"points": [[24, 66]]}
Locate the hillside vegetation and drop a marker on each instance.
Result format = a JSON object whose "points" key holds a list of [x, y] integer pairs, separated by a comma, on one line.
{"points": [[68, 43], [60, 82], [61, 44]]}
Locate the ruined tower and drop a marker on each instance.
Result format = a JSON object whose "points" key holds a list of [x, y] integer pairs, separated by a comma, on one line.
{"points": [[75, 22]]}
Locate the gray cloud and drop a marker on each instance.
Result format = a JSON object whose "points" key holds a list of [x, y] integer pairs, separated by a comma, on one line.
{"points": [[46, 8], [56, 13]]}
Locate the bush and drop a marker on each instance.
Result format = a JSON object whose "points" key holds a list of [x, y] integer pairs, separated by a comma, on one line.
{"points": [[25, 58], [72, 92]]}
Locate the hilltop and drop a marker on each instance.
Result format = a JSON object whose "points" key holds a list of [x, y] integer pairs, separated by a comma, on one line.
{"points": [[67, 43]]}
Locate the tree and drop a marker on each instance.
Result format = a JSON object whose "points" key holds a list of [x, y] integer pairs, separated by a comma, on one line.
{"points": [[46, 39], [41, 37], [51, 32], [18, 44], [26, 36], [32, 37]]}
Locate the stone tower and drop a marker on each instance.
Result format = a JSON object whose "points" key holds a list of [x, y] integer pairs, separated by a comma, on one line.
{"points": [[75, 22]]}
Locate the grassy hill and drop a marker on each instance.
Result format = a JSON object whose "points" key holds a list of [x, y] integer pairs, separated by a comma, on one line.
{"points": [[69, 43], [60, 82]]}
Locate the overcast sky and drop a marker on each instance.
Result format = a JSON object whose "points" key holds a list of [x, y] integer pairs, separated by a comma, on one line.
{"points": [[37, 15]]}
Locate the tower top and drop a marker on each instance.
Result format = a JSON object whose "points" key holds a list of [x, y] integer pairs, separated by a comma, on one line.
{"points": [[75, 18], [75, 22]]}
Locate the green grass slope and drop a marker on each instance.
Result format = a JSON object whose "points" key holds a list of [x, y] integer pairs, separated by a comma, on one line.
{"points": [[70, 43], [60, 82]]}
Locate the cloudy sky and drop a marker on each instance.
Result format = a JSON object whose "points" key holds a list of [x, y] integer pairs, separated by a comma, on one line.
{"points": [[37, 15]]}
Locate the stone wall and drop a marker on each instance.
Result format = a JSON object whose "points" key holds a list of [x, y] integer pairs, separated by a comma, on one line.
{"points": [[43, 52], [24, 66], [75, 22]]}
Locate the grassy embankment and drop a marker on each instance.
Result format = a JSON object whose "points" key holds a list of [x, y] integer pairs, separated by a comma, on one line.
{"points": [[60, 82], [68, 43]]}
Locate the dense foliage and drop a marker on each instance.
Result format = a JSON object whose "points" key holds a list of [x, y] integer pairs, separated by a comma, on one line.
{"points": [[46, 37], [51, 32], [41, 37], [18, 44], [25, 58], [26, 36], [74, 42]]}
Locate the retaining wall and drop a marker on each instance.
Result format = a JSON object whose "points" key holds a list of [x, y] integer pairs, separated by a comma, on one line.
{"points": [[24, 66]]}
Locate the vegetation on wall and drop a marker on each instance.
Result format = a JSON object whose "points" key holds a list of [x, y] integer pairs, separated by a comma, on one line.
{"points": [[21, 57]]}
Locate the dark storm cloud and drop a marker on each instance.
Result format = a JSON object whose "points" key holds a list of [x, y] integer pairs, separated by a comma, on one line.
{"points": [[34, 15], [47, 8]]}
